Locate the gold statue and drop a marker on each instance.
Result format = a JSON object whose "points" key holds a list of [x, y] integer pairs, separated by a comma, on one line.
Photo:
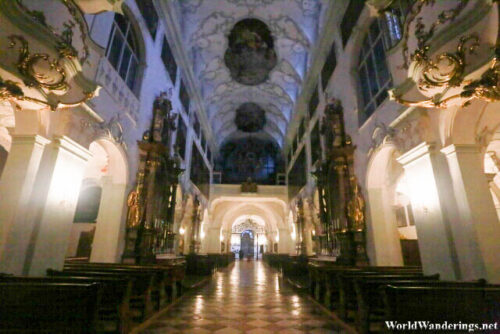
{"points": [[249, 186], [133, 217], [356, 207]]}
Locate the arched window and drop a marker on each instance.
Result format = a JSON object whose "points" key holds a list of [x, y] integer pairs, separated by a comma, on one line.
{"points": [[122, 51], [89, 201], [395, 16], [374, 75]]}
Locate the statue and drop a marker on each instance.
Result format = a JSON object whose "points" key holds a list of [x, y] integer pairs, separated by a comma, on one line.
{"points": [[249, 186], [332, 127], [133, 217], [163, 119], [356, 207]]}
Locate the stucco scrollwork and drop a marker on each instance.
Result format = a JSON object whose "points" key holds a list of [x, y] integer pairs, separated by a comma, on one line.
{"points": [[50, 73], [443, 75], [38, 69], [248, 225], [447, 69]]}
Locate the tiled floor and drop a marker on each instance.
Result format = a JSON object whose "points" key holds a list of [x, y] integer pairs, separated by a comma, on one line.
{"points": [[246, 298]]}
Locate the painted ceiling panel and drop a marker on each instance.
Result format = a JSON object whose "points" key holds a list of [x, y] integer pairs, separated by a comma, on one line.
{"points": [[276, 36]]}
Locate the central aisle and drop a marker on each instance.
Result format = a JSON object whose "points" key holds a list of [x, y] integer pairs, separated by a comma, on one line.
{"points": [[246, 298]]}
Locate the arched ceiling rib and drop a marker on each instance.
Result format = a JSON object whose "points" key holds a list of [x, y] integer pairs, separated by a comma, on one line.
{"points": [[206, 25]]}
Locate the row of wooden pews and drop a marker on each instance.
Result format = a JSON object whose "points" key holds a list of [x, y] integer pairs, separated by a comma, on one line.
{"points": [[206, 264], [371, 295], [88, 297]]}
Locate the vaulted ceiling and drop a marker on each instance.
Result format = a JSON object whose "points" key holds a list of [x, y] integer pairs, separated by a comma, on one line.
{"points": [[262, 60]]}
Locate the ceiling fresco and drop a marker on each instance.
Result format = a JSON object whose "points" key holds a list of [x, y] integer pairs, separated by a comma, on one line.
{"points": [[250, 55], [250, 51]]}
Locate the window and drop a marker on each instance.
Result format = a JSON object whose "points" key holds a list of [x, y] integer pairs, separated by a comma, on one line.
{"points": [[302, 128], [181, 138], [200, 174], [297, 178], [149, 14], [313, 102], [374, 75], [169, 61], [203, 141], [122, 51], [196, 124], [350, 19], [328, 67], [315, 143], [87, 208], [184, 97], [394, 18]]}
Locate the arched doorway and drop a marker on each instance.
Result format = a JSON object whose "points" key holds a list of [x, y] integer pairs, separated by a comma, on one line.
{"points": [[492, 169], [247, 244], [382, 180], [98, 226], [249, 237]]}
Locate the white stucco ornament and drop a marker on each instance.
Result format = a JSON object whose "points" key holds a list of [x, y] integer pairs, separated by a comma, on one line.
{"points": [[447, 48], [99, 6]]}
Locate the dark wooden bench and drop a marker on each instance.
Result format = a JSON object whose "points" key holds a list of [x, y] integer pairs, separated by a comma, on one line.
{"points": [[114, 310], [347, 292], [178, 266], [439, 304], [40, 307], [141, 303], [331, 279], [165, 284], [200, 265], [370, 296]]}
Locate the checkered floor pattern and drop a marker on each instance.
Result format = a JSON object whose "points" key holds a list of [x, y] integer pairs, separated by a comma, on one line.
{"points": [[246, 298]]}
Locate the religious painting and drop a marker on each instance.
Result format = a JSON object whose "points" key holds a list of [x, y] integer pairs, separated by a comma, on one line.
{"points": [[250, 56]]}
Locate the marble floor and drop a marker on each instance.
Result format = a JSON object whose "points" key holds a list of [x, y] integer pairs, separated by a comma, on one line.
{"points": [[245, 298]]}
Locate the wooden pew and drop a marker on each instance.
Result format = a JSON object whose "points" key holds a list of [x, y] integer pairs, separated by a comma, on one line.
{"points": [[347, 292], [141, 304], [370, 296], [439, 304], [164, 287], [114, 309], [178, 266], [173, 270], [331, 278], [29, 307]]}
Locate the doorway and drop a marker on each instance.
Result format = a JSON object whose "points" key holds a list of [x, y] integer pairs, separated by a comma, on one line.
{"points": [[247, 243]]}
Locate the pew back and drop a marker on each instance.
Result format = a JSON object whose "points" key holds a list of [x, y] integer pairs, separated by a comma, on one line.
{"points": [[49, 307]]}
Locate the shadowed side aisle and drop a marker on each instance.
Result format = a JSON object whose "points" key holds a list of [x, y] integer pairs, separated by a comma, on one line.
{"points": [[246, 298]]}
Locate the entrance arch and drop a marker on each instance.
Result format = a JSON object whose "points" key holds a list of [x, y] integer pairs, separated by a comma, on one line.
{"points": [[99, 218], [382, 176], [250, 235]]}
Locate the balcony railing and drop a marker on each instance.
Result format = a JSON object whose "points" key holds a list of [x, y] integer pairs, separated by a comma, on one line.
{"points": [[116, 87]]}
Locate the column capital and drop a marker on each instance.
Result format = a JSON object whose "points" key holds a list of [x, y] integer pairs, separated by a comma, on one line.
{"points": [[461, 148], [416, 153], [72, 146], [30, 139]]}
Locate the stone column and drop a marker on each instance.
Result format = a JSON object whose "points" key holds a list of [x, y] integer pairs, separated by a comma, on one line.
{"points": [[39, 241], [477, 231], [427, 181], [110, 222], [17, 183]]}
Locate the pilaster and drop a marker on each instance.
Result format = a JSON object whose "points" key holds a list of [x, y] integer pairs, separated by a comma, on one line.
{"points": [[476, 231], [428, 199]]}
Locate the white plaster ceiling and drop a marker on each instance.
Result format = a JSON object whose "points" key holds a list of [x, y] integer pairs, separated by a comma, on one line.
{"points": [[206, 25]]}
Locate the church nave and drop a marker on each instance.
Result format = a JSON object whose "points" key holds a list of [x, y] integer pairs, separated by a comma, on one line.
{"points": [[248, 297]]}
